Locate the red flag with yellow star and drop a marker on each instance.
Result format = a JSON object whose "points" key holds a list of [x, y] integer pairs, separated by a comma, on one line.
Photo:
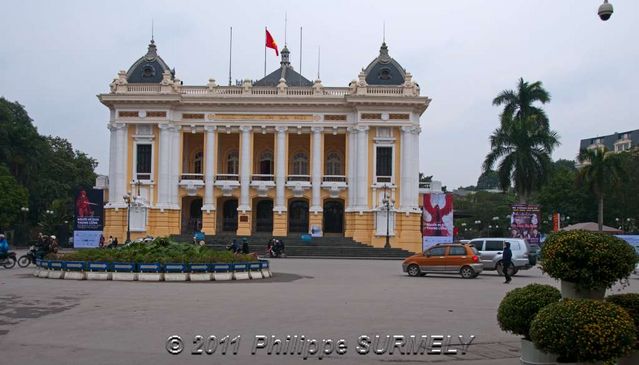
{"points": [[270, 42]]}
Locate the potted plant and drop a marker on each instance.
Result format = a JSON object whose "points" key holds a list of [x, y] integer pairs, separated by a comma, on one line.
{"points": [[517, 311], [587, 263], [630, 303], [583, 330]]}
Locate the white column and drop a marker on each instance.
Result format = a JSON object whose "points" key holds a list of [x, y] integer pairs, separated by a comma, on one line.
{"points": [[164, 168], [352, 168], [280, 170], [316, 170], [362, 168], [175, 157], [245, 169], [405, 169], [117, 164], [113, 162], [209, 203], [413, 195]]}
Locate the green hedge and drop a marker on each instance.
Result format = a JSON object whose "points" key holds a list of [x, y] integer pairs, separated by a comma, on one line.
{"points": [[591, 260], [160, 250], [520, 306], [630, 303], [583, 330]]}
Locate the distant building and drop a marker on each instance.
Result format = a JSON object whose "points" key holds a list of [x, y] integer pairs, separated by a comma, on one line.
{"points": [[616, 142]]}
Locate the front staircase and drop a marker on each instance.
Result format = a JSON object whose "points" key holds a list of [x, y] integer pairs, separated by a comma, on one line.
{"points": [[317, 247]]}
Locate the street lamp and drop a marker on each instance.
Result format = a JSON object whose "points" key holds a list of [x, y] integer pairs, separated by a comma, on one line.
{"points": [[387, 203], [127, 199]]}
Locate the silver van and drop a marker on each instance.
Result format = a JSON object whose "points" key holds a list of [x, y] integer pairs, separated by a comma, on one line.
{"points": [[491, 253]]}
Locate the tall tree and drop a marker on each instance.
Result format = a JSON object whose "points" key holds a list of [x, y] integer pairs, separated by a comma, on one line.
{"points": [[522, 149], [600, 170], [519, 104], [488, 180]]}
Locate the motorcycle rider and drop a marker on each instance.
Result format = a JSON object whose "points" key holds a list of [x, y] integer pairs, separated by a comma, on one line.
{"points": [[4, 247]]}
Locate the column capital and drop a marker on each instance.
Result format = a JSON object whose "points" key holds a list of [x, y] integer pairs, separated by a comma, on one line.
{"points": [[281, 129], [363, 128], [317, 130], [114, 126], [352, 130], [210, 128], [246, 128]]}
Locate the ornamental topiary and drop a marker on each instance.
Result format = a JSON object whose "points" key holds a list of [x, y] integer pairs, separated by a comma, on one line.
{"points": [[520, 306], [582, 330], [630, 303], [591, 260]]}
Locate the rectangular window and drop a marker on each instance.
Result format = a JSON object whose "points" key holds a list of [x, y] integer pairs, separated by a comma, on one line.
{"points": [[384, 161], [143, 165], [494, 245], [456, 251]]}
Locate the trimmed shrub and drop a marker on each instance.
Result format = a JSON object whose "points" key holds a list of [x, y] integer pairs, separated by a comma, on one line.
{"points": [[520, 306], [160, 250], [630, 303], [591, 260], [582, 330]]}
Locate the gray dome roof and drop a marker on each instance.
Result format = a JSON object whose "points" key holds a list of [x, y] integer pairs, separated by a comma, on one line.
{"points": [[149, 68], [286, 72], [384, 70]]}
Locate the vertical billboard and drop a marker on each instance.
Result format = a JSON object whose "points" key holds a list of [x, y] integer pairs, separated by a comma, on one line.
{"points": [[524, 222], [89, 218], [437, 219]]}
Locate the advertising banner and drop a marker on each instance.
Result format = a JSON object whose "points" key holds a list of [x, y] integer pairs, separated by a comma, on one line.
{"points": [[89, 218], [86, 239], [437, 219], [524, 222]]}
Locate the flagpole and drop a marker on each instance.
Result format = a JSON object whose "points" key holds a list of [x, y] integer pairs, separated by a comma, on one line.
{"points": [[265, 30], [230, 53], [319, 50]]}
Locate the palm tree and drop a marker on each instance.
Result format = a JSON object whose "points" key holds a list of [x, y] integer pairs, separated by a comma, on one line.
{"points": [[523, 150], [600, 169], [519, 104]]}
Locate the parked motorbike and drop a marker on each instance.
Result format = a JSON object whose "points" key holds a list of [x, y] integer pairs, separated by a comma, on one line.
{"points": [[9, 261], [275, 249], [28, 258]]}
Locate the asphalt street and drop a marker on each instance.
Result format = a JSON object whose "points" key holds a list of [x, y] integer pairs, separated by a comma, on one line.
{"points": [[50, 321]]}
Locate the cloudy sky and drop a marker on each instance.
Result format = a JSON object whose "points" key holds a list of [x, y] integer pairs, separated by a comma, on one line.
{"points": [[55, 56]]}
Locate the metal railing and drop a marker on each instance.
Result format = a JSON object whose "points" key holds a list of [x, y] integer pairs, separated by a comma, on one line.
{"points": [[262, 177], [306, 178], [334, 178], [227, 177], [191, 176]]}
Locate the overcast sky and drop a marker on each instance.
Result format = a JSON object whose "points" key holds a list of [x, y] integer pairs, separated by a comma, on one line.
{"points": [[55, 56]]}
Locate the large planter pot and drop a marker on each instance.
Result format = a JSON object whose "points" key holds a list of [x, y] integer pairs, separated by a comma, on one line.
{"points": [[570, 290], [631, 359], [531, 355]]}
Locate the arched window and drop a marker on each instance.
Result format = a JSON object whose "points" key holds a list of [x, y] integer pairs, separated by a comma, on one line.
{"points": [[266, 163], [300, 164], [334, 164], [233, 163], [197, 163]]}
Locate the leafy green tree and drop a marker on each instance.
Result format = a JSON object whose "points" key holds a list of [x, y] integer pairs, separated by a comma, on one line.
{"points": [[488, 180], [599, 172], [519, 103], [12, 198], [484, 206], [521, 148]]}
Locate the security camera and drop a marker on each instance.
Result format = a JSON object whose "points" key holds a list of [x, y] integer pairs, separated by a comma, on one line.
{"points": [[605, 10]]}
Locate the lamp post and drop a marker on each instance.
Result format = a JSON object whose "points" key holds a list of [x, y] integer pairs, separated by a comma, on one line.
{"points": [[127, 199], [387, 203]]}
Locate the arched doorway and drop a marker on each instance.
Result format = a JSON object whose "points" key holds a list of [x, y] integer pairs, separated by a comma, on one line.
{"points": [[333, 216], [298, 216], [229, 215], [264, 216], [191, 214]]}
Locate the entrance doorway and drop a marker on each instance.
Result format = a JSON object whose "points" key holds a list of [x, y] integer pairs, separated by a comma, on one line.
{"points": [[333, 216], [298, 216], [191, 214], [264, 216], [229, 215]]}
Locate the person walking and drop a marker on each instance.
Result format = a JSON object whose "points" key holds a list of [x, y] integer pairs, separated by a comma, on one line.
{"points": [[506, 261], [4, 247]]}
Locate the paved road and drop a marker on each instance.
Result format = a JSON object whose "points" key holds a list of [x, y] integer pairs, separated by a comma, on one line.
{"points": [[47, 321]]}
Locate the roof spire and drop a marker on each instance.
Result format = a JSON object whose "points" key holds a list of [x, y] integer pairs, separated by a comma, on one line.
{"points": [[285, 57], [384, 32], [152, 38]]}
